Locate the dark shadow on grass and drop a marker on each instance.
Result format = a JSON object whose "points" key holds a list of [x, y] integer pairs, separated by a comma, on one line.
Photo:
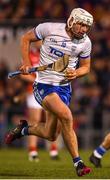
{"points": [[107, 166], [100, 168], [15, 175]]}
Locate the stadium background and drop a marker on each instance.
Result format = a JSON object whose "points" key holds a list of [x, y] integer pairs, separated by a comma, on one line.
{"points": [[91, 94]]}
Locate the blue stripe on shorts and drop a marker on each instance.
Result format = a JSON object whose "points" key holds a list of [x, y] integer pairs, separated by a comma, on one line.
{"points": [[42, 90]]}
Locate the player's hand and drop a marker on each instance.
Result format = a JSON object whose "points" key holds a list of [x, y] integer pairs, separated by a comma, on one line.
{"points": [[70, 74], [25, 68]]}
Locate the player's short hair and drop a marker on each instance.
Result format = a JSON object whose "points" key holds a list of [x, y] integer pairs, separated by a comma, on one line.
{"points": [[81, 16]]}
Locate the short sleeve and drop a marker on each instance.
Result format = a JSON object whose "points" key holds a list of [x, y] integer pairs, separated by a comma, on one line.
{"points": [[87, 50], [42, 30]]}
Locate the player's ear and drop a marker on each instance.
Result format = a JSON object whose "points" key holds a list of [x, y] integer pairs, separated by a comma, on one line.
{"points": [[71, 22]]}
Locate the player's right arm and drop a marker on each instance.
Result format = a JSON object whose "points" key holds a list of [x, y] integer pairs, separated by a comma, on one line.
{"points": [[37, 34], [26, 40], [28, 78]]}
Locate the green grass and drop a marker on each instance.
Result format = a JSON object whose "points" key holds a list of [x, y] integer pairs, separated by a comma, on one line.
{"points": [[15, 165]]}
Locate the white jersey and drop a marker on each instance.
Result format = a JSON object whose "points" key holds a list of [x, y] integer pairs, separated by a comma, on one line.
{"points": [[56, 43]]}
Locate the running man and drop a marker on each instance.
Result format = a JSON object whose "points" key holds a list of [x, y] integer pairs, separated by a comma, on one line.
{"points": [[98, 153], [53, 89], [35, 111]]}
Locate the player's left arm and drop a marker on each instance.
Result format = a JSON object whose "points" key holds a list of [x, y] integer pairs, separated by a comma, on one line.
{"points": [[84, 68]]}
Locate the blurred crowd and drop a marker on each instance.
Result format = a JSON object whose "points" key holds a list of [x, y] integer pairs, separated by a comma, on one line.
{"points": [[16, 10], [91, 94]]}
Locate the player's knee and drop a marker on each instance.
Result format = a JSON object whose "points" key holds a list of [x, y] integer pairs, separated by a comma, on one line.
{"points": [[66, 118], [62, 116], [52, 138], [65, 114]]}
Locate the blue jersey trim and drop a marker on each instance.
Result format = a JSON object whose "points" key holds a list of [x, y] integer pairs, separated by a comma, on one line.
{"points": [[37, 35], [85, 57]]}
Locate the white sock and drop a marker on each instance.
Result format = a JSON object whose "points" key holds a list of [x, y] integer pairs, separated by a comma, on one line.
{"points": [[96, 154]]}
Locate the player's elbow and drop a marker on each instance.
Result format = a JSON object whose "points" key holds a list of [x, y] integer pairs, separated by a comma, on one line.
{"points": [[24, 39], [87, 70]]}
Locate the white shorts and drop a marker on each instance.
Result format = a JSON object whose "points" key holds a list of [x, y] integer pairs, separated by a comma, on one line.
{"points": [[31, 102]]}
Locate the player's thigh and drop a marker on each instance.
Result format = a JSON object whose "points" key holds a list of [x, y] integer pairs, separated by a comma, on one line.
{"points": [[54, 104]]}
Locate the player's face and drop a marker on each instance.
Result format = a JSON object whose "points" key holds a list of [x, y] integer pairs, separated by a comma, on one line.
{"points": [[79, 29]]}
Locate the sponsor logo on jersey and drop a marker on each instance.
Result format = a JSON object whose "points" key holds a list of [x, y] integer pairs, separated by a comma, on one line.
{"points": [[53, 40], [56, 52]]}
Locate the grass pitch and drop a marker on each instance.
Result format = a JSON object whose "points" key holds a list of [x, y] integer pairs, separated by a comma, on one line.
{"points": [[14, 164]]}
